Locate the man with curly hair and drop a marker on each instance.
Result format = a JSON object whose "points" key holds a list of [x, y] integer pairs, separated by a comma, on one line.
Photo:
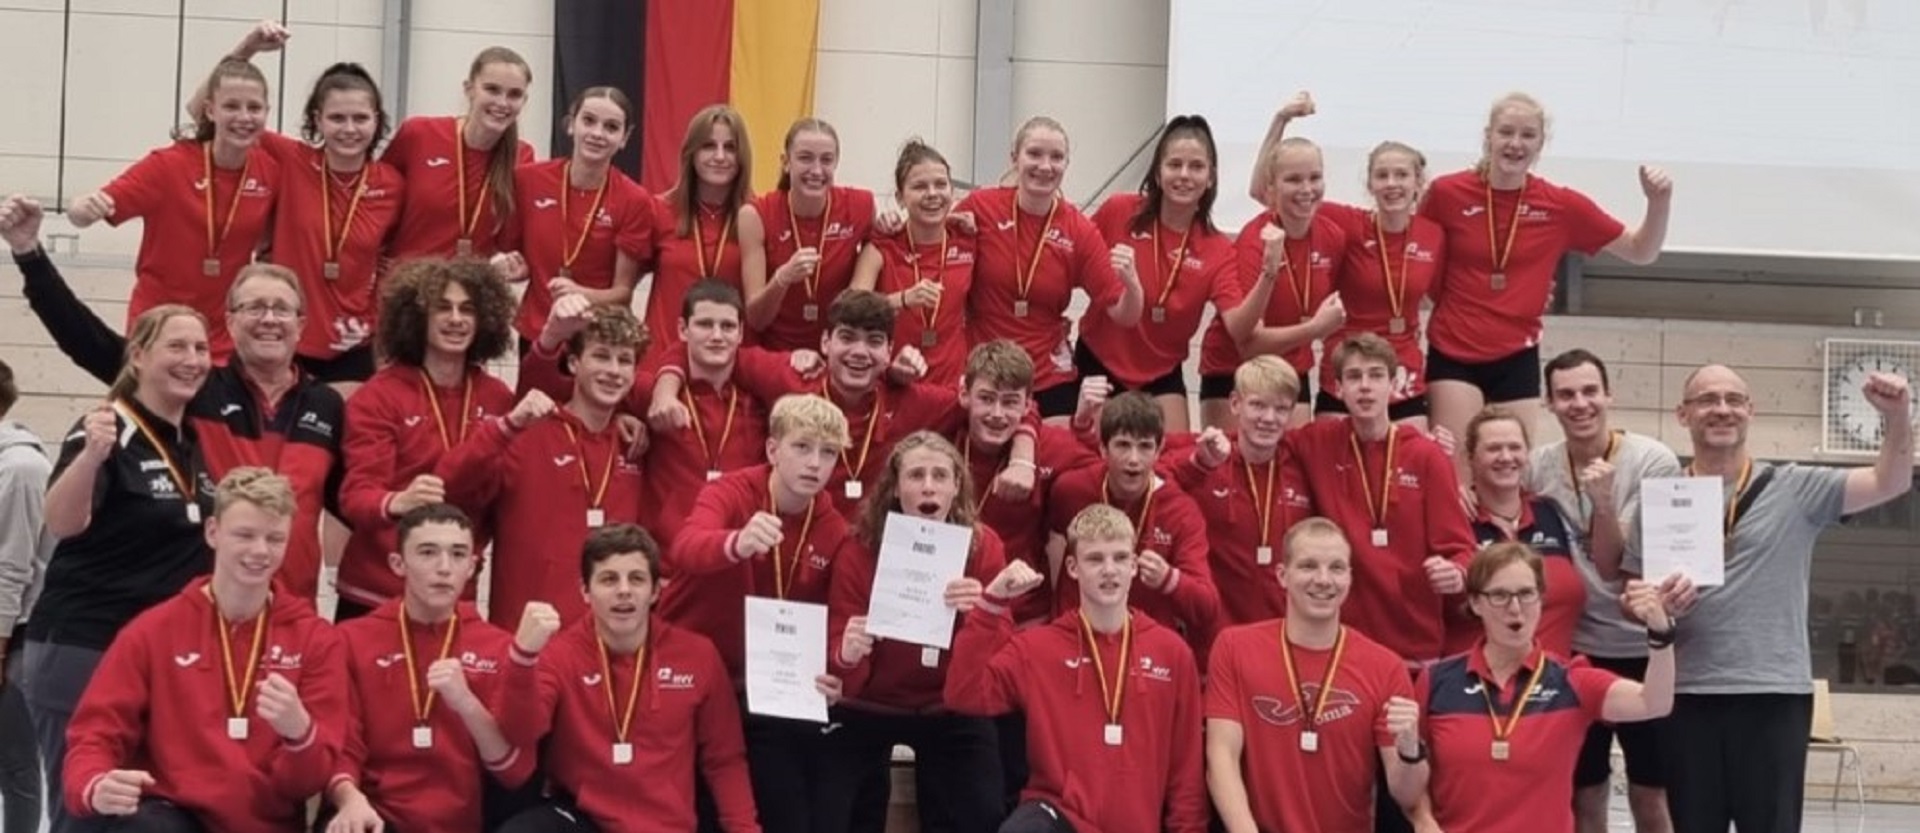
{"points": [[440, 321], [548, 475]]}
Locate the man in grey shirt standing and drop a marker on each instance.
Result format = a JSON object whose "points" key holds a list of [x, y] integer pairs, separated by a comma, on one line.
{"points": [[1594, 476], [1737, 739]]}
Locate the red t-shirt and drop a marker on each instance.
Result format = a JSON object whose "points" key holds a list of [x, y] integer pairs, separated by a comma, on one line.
{"points": [[838, 235], [423, 150], [678, 264], [947, 354], [1071, 256], [167, 190], [1418, 255], [1207, 271], [1392, 599], [1329, 790], [550, 224], [1472, 320], [1532, 790], [1311, 263], [315, 206]]}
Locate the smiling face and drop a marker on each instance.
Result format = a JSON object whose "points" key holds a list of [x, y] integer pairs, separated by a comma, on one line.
{"points": [[265, 319], [810, 162], [856, 358], [496, 94], [1513, 139], [1262, 417], [994, 414], [1104, 568], [1395, 179], [929, 482], [603, 373], [1499, 456], [451, 321], [248, 543], [1717, 409], [1579, 399], [620, 593], [1040, 161], [599, 129], [1509, 606], [237, 107], [927, 193], [174, 366], [1185, 173], [1299, 182], [1317, 576], [436, 562], [348, 122]]}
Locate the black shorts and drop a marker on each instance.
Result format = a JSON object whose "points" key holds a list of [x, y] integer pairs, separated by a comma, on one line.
{"points": [[1506, 379], [1639, 742], [1326, 403], [355, 365], [1220, 386], [1174, 383], [1058, 401]]}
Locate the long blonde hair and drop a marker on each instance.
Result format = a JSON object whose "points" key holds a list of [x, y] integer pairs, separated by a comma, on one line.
{"points": [[506, 153], [146, 331]]}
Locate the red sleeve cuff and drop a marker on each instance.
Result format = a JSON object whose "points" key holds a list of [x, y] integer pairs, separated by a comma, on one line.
{"points": [[305, 740]]}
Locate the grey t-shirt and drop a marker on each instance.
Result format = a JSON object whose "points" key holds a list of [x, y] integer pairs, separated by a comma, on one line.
{"points": [[1749, 636], [1603, 631]]}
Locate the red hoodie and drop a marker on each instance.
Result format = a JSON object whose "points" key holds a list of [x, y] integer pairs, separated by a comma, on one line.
{"points": [[1022, 524], [1151, 782], [1236, 498], [158, 702], [685, 711], [434, 790], [541, 486], [710, 582], [895, 676], [393, 434]]}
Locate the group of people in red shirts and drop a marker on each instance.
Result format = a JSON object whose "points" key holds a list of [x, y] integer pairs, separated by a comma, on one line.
{"points": [[1289, 619]]}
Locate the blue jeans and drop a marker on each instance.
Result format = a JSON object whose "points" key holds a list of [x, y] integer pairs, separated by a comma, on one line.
{"points": [[19, 756], [53, 676]]}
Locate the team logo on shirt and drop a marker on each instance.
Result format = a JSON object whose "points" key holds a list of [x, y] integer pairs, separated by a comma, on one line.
{"points": [[1161, 537], [1472, 210], [311, 421], [1158, 673], [1075, 662], [388, 660], [591, 679], [231, 408], [162, 485], [279, 659], [1275, 711], [186, 659], [563, 459], [1406, 479], [545, 203], [815, 559], [476, 664], [668, 680], [439, 161], [412, 421], [1004, 225], [153, 465], [1057, 238]]}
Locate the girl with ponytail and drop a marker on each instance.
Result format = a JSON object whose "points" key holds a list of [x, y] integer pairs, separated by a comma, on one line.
{"points": [[459, 169]]}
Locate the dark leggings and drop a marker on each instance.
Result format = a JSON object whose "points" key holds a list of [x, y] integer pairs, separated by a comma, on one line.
{"points": [[956, 770]]}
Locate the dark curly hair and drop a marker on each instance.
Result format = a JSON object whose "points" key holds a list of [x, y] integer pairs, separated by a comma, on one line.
{"points": [[416, 285]]}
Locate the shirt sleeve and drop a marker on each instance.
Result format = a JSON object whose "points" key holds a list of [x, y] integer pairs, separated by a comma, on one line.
{"points": [[1223, 679], [1589, 227], [110, 722], [370, 448], [141, 189], [1591, 685], [986, 672], [304, 766], [705, 541]]}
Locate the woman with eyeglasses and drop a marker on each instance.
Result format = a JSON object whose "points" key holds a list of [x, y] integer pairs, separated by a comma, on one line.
{"points": [[1504, 721], [1498, 450]]}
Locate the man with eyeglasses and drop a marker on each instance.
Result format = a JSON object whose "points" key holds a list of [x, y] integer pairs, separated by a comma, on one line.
{"points": [[258, 409], [1737, 740], [1594, 477]]}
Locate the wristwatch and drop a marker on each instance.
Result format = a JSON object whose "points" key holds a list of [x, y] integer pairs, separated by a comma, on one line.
{"points": [[1417, 758]]}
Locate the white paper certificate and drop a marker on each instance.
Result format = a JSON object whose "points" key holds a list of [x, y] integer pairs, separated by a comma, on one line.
{"points": [[786, 649], [918, 558], [1681, 529]]}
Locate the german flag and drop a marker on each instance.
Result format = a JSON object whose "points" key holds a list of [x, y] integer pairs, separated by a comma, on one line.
{"points": [[673, 57]]}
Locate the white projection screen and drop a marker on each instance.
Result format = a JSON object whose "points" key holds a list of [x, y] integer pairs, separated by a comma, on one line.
{"points": [[1791, 127]]}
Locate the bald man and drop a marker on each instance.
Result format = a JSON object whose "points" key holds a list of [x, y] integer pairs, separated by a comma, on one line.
{"points": [[1738, 734]]}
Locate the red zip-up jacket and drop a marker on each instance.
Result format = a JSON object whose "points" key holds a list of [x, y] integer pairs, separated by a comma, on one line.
{"points": [[1236, 499], [1392, 598], [895, 676], [434, 790], [1173, 527], [1022, 524], [158, 702], [1153, 780], [538, 485], [686, 711], [393, 435], [711, 582]]}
